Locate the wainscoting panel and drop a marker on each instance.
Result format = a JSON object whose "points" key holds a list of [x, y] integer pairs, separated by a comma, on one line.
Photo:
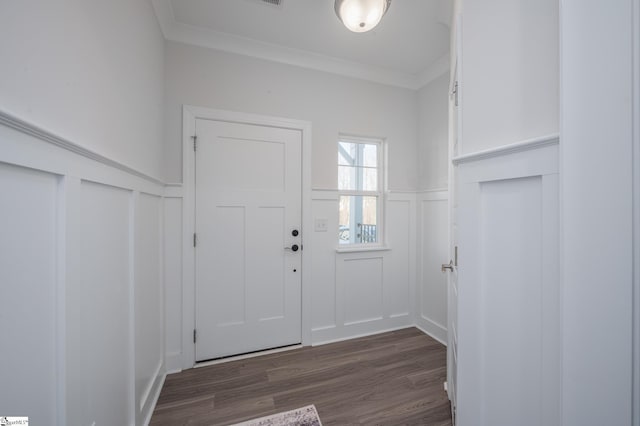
{"points": [[99, 314], [399, 273], [29, 242], [81, 273], [509, 290], [363, 292], [433, 251], [173, 279], [360, 278], [149, 303], [510, 251]]}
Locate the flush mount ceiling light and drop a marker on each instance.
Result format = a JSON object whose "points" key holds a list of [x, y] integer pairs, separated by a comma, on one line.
{"points": [[361, 16]]}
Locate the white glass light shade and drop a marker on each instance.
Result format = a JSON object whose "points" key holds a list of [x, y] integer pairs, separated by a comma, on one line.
{"points": [[361, 15]]}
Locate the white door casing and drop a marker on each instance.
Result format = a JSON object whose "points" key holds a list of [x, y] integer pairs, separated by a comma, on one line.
{"points": [[248, 206], [452, 274], [191, 115]]}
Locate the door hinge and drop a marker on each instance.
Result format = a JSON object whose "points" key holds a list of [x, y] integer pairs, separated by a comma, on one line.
{"points": [[455, 93], [195, 335], [195, 239], [195, 142]]}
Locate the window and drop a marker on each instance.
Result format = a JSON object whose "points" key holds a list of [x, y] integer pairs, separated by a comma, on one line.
{"points": [[360, 190]]}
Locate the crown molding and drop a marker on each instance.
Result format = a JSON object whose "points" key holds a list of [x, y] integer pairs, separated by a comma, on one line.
{"points": [[257, 49], [187, 34]]}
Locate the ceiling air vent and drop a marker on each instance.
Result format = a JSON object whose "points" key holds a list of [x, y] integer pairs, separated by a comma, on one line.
{"points": [[276, 4]]}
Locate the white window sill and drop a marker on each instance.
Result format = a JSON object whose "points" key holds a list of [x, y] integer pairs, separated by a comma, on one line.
{"points": [[358, 249]]}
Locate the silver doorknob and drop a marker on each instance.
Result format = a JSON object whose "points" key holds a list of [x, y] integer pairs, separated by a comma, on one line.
{"points": [[448, 266]]}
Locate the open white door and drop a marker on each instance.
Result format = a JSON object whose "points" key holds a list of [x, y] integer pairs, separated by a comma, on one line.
{"points": [[248, 241], [452, 267]]}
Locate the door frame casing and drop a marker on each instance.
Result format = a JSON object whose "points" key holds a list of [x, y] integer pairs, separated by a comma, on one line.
{"points": [[454, 144], [189, 116]]}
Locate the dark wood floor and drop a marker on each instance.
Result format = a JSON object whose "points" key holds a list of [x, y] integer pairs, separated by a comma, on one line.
{"points": [[393, 378]]}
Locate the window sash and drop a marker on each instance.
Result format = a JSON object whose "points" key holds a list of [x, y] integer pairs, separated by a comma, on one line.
{"points": [[377, 194]]}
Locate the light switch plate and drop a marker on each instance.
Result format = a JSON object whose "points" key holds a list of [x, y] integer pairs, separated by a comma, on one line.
{"points": [[321, 225]]}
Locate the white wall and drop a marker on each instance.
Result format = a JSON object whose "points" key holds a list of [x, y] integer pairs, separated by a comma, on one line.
{"points": [[432, 207], [433, 134], [81, 91], [597, 147], [91, 72], [509, 72], [334, 104]]}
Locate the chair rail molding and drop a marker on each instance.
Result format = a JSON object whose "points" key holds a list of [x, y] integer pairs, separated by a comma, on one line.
{"points": [[30, 129], [522, 146]]}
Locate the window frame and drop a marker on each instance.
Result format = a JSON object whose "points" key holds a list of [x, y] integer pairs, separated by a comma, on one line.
{"points": [[379, 193]]}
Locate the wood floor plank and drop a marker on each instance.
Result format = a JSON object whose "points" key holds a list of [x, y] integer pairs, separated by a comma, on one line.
{"points": [[393, 378]]}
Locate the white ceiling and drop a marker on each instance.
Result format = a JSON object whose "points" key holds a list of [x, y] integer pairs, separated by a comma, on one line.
{"points": [[409, 47]]}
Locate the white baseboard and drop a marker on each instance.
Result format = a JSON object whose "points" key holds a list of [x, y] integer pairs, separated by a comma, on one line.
{"points": [[173, 362], [432, 329], [154, 395], [333, 335]]}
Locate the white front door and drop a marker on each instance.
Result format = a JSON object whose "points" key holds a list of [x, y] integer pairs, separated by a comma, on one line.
{"points": [[248, 238]]}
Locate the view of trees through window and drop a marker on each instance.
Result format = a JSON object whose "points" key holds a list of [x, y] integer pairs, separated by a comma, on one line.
{"points": [[359, 189]]}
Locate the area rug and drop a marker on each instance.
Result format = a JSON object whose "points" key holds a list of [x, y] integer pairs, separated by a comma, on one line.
{"points": [[305, 416]]}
